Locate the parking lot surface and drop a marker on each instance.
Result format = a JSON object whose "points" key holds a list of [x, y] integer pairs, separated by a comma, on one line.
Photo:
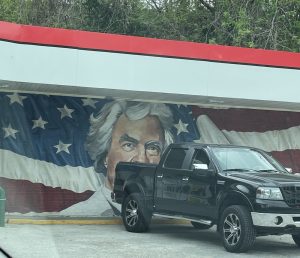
{"points": [[84, 241]]}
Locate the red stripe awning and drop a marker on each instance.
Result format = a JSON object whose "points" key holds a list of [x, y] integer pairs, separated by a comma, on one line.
{"points": [[145, 46]]}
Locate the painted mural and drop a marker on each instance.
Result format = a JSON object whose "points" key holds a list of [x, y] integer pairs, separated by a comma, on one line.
{"points": [[58, 153]]}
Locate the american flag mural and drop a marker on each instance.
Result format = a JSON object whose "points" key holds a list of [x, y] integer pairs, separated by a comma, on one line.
{"points": [[46, 169]]}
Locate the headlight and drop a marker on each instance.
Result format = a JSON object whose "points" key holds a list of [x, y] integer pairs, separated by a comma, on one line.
{"points": [[270, 193]]}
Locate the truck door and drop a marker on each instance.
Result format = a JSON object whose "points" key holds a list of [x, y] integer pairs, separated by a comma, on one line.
{"points": [[169, 179], [200, 194]]}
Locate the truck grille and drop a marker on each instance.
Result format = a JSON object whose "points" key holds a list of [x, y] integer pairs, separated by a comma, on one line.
{"points": [[291, 195]]}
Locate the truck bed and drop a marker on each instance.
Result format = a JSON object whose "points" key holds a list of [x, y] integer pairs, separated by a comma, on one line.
{"points": [[134, 175]]}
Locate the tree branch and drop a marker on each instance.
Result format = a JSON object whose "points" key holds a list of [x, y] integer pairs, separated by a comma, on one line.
{"points": [[272, 26], [153, 3], [207, 5]]}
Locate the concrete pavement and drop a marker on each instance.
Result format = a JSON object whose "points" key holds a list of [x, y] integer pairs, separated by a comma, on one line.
{"points": [[163, 240]]}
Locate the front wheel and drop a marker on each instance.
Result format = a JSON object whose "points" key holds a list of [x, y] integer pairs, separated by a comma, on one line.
{"points": [[236, 227], [134, 214], [296, 239]]}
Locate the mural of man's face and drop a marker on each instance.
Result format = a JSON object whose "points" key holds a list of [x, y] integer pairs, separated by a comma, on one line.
{"points": [[134, 141]]}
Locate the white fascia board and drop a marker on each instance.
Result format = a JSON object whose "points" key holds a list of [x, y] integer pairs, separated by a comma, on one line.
{"points": [[117, 71]]}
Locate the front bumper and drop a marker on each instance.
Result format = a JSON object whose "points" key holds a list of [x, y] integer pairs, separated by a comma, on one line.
{"points": [[275, 220]]}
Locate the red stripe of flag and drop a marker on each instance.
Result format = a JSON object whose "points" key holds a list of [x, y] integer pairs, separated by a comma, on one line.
{"points": [[249, 120], [24, 196], [289, 159]]}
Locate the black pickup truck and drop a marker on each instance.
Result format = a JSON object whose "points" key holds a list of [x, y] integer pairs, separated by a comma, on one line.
{"points": [[242, 190]]}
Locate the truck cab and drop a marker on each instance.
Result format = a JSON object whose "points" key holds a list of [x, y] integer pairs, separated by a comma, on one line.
{"points": [[185, 183]]}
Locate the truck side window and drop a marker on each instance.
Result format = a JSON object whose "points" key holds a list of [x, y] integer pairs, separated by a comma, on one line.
{"points": [[175, 158], [200, 158]]}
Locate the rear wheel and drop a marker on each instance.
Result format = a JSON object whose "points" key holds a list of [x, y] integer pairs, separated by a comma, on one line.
{"points": [[198, 225], [236, 227], [134, 214], [296, 239]]}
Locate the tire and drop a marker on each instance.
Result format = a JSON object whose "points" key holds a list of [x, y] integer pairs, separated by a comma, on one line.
{"points": [[236, 228], [198, 225], [134, 214], [296, 239]]}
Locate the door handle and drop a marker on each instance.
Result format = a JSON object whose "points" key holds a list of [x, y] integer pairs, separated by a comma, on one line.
{"points": [[185, 178], [159, 176]]}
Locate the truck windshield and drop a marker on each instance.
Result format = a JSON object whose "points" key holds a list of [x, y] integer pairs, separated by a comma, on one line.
{"points": [[246, 160]]}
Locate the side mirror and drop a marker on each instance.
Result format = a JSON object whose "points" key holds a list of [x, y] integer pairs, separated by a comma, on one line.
{"points": [[289, 170], [203, 170], [200, 166]]}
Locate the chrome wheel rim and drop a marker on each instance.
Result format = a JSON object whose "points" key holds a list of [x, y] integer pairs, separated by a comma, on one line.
{"points": [[232, 229], [131, 213]]}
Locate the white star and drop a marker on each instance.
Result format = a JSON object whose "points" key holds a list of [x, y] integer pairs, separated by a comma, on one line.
{"points": [[65, 111], [9, 131], [39, 123], [181, 127], [62, 147], [16, 98], [89, 102]]}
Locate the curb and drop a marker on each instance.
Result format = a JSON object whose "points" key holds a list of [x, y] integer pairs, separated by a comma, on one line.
{"points": [[65, 221], [85, 221]]}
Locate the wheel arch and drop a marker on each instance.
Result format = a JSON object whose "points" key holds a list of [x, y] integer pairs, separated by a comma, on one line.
{"points": [[233, 198], [133, 187]]}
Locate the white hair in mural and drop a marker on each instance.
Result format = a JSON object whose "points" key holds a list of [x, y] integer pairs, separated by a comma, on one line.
{"points": [[100, 134]]}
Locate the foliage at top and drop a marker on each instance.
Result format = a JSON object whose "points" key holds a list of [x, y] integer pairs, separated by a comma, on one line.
{"points": [[267, 24]]}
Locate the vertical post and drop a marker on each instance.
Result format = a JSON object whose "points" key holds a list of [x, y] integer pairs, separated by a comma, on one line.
{"points": [[2, 207]]}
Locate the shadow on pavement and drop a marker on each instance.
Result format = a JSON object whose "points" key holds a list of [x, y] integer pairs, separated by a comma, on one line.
{"points": [[267, 245]]}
